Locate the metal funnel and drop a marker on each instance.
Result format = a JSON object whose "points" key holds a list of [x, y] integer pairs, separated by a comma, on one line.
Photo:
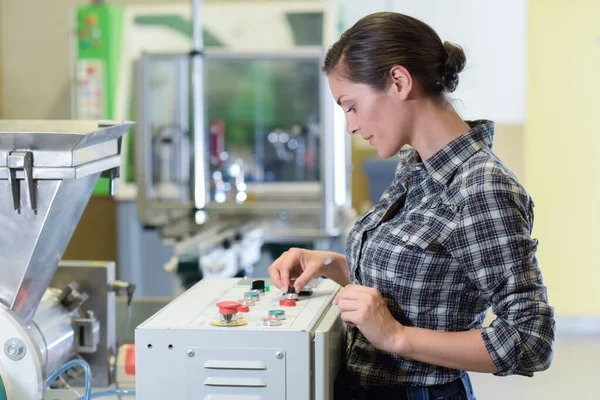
{"points": [[48, 170]]}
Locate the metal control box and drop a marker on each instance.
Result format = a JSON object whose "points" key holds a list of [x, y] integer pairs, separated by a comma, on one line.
{"points": [[182, 353]]}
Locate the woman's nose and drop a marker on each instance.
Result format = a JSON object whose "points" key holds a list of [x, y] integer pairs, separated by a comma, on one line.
{"points": [[352, 128]]}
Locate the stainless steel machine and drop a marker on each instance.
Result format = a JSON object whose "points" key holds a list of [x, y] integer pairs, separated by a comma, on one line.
{"points": [[52, 312]]}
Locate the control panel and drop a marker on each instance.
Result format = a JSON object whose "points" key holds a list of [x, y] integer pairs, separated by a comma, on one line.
{"points": [[241, 339]]}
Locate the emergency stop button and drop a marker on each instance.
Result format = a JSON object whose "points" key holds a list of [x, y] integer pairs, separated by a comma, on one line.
{"points": [[229, 314], [228, 307], [228, 310]]}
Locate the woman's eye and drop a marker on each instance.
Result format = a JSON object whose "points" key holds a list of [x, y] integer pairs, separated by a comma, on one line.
{"points": [[353, 108]]}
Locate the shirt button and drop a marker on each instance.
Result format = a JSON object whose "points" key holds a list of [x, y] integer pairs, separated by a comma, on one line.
{"points": [[405, 238], [424, 199]]}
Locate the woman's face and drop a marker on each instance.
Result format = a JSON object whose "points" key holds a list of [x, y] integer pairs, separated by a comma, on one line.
{"points": [[379, 118]]}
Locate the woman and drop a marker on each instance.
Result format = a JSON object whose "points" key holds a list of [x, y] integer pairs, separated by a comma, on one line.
{"points": [[449, 238]]}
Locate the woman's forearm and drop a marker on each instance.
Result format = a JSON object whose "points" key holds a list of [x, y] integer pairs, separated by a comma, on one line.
{"points": [[456, 350], [337, 269]]}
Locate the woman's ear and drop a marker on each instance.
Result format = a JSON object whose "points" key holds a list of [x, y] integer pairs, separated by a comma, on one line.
{"points": [[402, 81]]}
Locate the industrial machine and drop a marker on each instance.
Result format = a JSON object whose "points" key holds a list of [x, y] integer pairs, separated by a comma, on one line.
{"points": [[238, 150], [48, 171], [241, 339]]}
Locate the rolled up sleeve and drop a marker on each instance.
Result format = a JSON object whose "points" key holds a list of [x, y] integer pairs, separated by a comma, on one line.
{"points": [[493, 245]]}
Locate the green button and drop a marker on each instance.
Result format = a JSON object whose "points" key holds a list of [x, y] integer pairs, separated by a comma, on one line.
{"points": [[267, 288], [276, 313]]}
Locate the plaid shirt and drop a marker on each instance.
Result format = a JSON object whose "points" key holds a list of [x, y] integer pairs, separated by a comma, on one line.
{"points": [[448, 239]]}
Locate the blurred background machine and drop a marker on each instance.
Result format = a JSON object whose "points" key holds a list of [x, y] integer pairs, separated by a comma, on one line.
{"points": [[238, 154], [275, 178], [51, 312]]}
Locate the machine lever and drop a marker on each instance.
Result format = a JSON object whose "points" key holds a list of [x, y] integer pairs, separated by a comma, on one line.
{"points": [[21, 160]]}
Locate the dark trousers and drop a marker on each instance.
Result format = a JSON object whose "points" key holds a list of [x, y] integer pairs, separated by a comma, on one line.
{"points": [[459, 389]]}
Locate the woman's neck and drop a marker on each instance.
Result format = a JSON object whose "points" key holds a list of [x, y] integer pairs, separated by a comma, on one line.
{"points": [[435, 126]]}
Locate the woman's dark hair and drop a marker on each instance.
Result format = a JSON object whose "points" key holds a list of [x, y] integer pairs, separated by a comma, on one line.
{"points": [[369, 49]]}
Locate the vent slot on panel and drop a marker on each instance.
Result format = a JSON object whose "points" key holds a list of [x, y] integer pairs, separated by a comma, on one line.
{"points": [[229, 373], [235, 382], [232, 397], [235, 364]]}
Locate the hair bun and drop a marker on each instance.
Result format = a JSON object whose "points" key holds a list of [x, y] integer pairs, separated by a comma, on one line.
{"points": [[455, 63]]}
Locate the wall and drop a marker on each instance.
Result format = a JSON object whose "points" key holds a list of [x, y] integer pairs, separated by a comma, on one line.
{"points": [[36, 56], [493, 83], [94, 238], [561, 148]]}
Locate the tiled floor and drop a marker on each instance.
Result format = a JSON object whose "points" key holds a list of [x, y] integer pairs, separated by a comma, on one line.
{"points": [[574, 374]]}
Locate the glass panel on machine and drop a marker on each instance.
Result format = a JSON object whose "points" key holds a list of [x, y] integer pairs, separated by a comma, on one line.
{"points": [[169, 121], [264, 119]]}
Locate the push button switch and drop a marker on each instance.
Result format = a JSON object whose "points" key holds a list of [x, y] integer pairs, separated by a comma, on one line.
{"points": [[277, 313], [252, 295], [244, 309], [271, 321], [247, 302], [228, 309], [230, 314], [291, 294], [287, 303], [258, 285]]}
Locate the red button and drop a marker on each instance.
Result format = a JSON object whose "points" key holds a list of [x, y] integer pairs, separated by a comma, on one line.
{"points": [[287, 303], [130, 360], [243, 309], [228, 307]]}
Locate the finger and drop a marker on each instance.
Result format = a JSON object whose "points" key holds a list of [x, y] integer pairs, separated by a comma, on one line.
{"points": [[303, 280], [284, 271], [359, 288], [348, 305], [351, 317], [308, 272], [341, 294], [349, 294], [284, 264], [275, 276], [274, 273], [335, 299], [279, 271]]}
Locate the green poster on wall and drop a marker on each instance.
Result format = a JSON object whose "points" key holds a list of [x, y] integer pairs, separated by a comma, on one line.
{"points": [[99, 30]]}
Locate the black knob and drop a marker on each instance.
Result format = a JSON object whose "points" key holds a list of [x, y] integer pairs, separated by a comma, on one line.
{"points": [[291, 290], [258, 285]]}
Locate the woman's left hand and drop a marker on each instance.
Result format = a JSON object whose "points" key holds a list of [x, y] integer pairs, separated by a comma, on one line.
{"points": [[365, 308]]}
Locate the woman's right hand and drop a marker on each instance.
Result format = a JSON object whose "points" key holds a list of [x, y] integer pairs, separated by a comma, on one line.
{"points": [[301, 265]]}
